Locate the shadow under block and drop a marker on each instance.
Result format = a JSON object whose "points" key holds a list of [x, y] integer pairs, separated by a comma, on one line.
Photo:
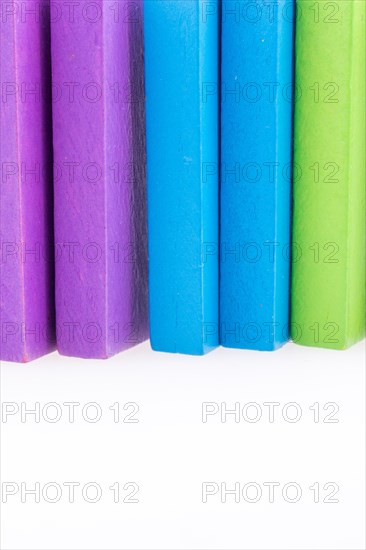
{"points": [[256, 162], [26, 267], [181, 74], [328, 281], [100, 205]]}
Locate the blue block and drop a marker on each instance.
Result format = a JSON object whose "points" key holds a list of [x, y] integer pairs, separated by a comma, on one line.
{"points": [[182, 117], [256, 151]]}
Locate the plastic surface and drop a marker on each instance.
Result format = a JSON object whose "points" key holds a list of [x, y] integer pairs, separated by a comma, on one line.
{"points": [[256, 134], [181, 68], [328, 284], [100, 207], [27, 318]]}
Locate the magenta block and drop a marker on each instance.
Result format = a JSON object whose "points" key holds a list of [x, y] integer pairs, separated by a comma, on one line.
{"points": [[26, 227], [99, 154]]}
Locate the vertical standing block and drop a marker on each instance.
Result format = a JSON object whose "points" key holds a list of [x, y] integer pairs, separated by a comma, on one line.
{"points": [[328, 283], [181, 68], [100, 213], [26, 267], [256, 132]]}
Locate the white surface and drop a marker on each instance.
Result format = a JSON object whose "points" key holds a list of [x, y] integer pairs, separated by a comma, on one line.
{"points": [[170, 452]]}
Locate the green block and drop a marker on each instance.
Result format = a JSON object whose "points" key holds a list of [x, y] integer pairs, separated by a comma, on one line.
{"points": [[328, 267]]}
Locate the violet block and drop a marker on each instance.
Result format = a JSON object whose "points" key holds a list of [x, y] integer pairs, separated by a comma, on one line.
{"points": [[27, 328], [99, 153]]}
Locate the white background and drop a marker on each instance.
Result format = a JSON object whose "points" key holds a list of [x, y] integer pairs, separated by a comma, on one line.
{"points": [[170, 452]]}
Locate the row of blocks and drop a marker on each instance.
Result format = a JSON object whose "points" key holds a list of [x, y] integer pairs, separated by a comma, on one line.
{"points": [[246, 118]]}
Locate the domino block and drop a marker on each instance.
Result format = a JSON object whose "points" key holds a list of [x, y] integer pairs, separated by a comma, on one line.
{"points": [[27, 318], [256, 160], [328, 273], [181, 72], [100, 203]]}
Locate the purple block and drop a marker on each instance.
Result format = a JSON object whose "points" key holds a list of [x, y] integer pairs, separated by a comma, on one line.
{"points": [[99, 154], [26, 227]]}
